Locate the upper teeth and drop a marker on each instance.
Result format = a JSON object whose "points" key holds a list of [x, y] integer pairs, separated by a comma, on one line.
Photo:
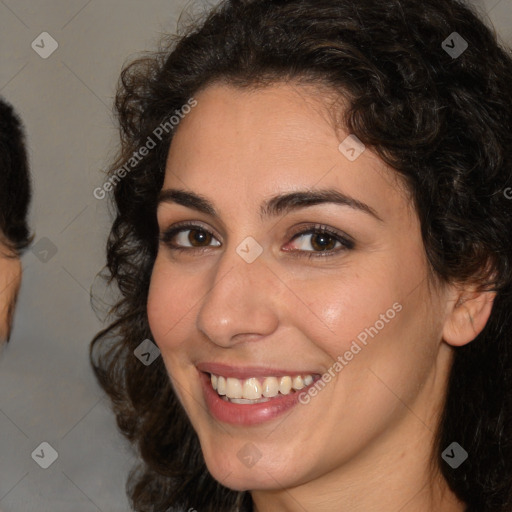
{"points": [[253, 389]]}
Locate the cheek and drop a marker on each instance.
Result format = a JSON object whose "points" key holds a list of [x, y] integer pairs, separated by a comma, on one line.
{"points": [[387, 347], [349, 308], [170, 299], [173, 301], [373, 323]]}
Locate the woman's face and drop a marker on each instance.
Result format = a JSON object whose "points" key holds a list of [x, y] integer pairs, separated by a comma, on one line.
{"points": [[253, 295]]}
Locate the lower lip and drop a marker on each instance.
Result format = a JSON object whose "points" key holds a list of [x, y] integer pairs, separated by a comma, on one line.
{"points": [[246, 414]]}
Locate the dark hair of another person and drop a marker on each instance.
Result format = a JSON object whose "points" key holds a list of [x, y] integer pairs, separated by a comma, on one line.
{"points": [[444, 124], [15, 188]]}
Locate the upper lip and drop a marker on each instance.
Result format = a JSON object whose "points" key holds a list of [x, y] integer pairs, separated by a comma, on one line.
{"points": [[246, 372]]}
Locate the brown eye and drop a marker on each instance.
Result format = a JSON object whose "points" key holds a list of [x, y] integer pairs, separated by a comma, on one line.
{"points": [[319, 241], [198, 237], [322, 242], [188, 237]]}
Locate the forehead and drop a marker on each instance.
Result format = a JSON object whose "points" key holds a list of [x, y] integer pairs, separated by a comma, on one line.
{"points": [[257, 142], [278, 119]]}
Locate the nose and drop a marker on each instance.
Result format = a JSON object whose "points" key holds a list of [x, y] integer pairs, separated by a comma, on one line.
{"points": [[242, 304]]}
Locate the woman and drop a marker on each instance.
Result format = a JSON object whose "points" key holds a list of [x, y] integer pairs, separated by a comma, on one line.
{"points": [[313, 225]]}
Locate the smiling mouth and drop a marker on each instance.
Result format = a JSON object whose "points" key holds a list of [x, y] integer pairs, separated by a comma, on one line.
{"points": [[256, 390]]}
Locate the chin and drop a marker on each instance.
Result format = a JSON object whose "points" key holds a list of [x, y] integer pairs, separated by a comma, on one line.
{"points": [[247, 468], [249, 479]]}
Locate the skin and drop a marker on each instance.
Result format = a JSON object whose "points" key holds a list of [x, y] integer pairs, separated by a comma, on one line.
{"points": [[364, 442], [10, 282]]}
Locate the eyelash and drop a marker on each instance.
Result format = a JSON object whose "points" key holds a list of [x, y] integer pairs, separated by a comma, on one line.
{"points": [[346, 243]]}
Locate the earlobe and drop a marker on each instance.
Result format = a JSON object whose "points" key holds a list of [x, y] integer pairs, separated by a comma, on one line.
{"points": [[468, 316]]}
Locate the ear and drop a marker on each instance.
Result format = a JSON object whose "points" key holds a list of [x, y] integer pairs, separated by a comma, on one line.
{"points": [[468, 313]]}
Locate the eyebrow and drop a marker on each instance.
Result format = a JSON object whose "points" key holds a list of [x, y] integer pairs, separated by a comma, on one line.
{"points": [[277, 205]]}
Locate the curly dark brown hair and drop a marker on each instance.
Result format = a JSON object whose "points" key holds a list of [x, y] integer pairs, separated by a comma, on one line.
{"points": [[443, 122], [15, 185]]}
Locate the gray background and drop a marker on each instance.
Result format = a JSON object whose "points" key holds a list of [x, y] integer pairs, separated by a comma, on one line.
{"points": [[47, 391]]}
